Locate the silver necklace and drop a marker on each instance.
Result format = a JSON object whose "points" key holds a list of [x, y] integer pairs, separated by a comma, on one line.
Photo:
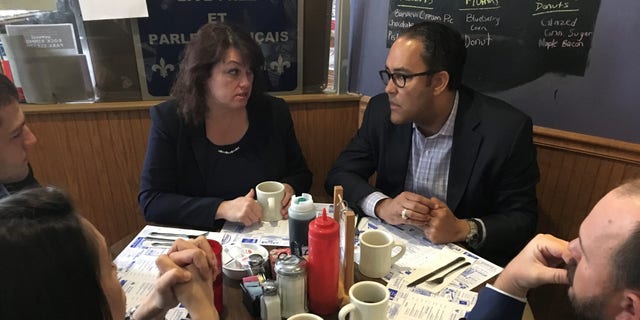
{"points": [[230, 151]]}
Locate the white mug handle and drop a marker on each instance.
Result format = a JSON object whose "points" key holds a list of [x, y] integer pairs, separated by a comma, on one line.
{"points": [[342, 315], [403, 248]]}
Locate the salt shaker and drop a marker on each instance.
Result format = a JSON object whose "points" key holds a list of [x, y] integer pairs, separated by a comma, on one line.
{"points": [[292, 285], [270, 301]]}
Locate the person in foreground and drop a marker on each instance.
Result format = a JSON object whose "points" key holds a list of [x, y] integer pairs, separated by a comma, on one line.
{"points": [[57, 266], [601, 266], [218, 138], [458, 164], [15, 141]]}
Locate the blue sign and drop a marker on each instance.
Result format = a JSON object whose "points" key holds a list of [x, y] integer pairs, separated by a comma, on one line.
{"points": [[171, 23]]}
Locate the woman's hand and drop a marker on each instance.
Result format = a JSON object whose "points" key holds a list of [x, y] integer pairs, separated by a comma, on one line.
{"points": [[241, 209], [286, 200]]}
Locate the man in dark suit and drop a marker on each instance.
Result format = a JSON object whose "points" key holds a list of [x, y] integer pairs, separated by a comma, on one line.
{"points": [[15, 140], [601, 266], [457, 163]]}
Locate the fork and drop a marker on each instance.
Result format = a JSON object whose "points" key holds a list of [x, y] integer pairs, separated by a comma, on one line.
{"points": [[440, 279]]}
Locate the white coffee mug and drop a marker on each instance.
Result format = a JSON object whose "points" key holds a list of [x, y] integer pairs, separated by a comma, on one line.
{"points": [[304, 316], [369, 301], [270, 194], [376, 247]]}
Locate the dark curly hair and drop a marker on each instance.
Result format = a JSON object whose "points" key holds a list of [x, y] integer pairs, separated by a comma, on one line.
{"points": [[206, 48]]}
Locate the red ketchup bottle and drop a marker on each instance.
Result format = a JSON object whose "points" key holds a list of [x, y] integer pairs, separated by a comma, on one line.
{"points": [[324, 264]]}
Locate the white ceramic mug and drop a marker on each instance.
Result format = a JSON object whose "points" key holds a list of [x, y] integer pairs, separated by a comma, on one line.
{"points": [[369, 301], [270, 194], [304, 316], [376, 247]]}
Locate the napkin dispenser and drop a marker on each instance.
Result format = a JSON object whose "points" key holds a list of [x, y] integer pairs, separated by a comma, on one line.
{"points": [[251, 293]]}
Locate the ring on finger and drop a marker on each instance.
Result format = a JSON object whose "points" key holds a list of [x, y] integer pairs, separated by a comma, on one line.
{"points": [[403, 214]]}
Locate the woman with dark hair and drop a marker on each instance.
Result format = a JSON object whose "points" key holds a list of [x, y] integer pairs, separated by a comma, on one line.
{"points": [[56, 266], [218, 137]]}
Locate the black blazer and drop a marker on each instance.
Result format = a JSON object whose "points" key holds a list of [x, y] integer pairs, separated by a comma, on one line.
{"points": [[492, 175], [173, 186]]}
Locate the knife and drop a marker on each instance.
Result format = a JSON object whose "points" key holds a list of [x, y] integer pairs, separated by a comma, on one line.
{"points": [[177, 235], [159, 239], [435, 272]]}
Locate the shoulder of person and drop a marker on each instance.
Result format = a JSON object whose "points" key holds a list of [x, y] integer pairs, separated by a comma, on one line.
{"points": [[379, 105], [491, 108], [165, 109], [165, 114], [266, 103], [379, 100]]}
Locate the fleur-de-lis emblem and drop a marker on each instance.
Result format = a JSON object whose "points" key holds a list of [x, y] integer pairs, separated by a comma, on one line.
{"points": [[163, 67], [279, 65]]}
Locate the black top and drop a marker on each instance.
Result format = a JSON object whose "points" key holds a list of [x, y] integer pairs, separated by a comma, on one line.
{"points": [[185, 177]]}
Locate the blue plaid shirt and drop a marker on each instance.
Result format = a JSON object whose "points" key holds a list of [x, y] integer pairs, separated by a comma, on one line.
{"points": [[428, 168]]}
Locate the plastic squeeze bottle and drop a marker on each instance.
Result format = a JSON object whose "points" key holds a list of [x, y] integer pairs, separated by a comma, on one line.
{"points": [[324, 264], [301, 212]]}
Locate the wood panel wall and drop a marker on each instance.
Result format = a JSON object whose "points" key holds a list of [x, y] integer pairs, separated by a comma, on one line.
{"points": [[95, 151]]}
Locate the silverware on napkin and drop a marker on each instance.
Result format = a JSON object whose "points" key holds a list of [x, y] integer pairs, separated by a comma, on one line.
{"points": [[435, 272], [440, 279]]}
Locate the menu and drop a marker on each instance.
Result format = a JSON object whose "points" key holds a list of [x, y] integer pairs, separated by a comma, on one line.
{"points": [[508, 42]]}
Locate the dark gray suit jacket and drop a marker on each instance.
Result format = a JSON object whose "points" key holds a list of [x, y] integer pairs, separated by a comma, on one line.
{"points": [[492, 176]]}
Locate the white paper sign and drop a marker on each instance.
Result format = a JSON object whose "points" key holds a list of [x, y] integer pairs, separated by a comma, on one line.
{"points": [[49, 5], [113, 9]]}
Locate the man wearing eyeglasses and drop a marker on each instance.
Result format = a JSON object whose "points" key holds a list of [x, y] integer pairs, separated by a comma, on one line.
{"points": [[15, 140], [458, 164]]}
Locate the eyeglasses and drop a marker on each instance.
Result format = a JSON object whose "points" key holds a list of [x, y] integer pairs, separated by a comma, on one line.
{"points": [[400, 79]]}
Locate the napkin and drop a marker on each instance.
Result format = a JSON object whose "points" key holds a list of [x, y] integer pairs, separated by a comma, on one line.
{"points": [[445, 256]]}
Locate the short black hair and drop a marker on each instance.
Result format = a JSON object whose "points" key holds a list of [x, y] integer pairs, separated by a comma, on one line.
{"points": [[626, 262], [8, 91], [443, 49]]}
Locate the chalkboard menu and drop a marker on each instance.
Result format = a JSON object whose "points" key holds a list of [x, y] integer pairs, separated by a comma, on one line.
{"points": [[171, 23], [508, 42]]}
